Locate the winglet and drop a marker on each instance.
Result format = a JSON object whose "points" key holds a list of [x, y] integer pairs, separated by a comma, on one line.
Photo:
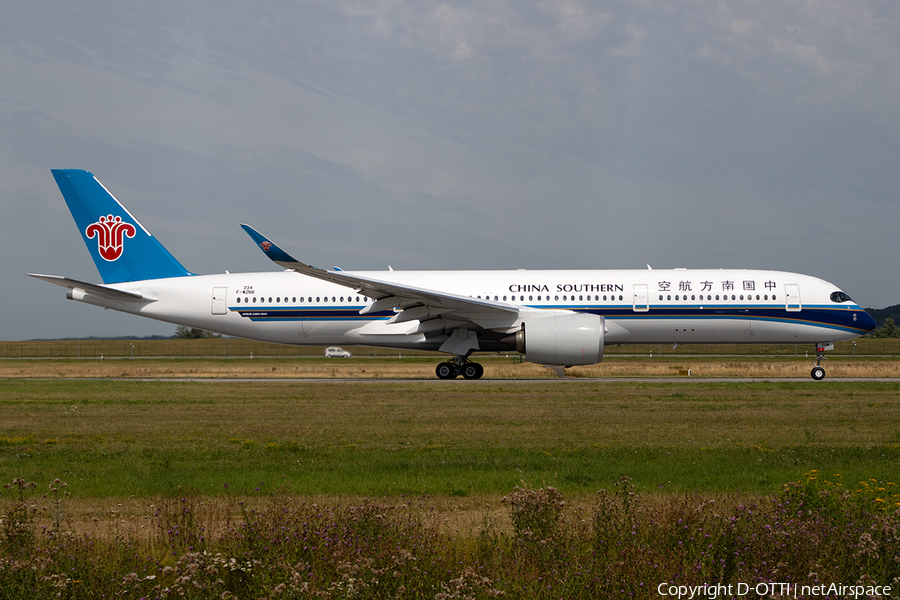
{"points": [[273, 251]]}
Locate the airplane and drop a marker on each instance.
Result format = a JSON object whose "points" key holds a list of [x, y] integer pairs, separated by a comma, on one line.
{"points": [[552, 317]]}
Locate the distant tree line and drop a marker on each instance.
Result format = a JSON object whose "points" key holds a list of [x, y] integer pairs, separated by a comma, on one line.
{"points": [[882, 314], [103, 338], [888, 329], [887, 322]]}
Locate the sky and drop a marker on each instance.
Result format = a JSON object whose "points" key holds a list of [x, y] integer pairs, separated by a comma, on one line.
{"points": [[461, 135]]}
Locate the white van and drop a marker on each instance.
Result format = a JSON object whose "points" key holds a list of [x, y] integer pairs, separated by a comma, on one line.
{"points": [[335, 352]]}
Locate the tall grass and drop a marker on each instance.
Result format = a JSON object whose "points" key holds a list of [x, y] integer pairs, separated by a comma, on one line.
{"points": [[621, 545]]}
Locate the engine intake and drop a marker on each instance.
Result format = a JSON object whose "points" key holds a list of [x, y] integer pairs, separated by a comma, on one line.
{"points": [[567, 340]]}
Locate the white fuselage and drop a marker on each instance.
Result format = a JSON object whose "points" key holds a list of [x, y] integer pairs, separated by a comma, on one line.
{"points": [[639, 306]]}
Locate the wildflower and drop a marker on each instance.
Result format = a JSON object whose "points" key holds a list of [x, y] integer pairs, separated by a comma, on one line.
{"points": [[868, 546]]}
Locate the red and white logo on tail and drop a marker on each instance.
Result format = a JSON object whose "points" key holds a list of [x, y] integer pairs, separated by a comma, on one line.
{"points": [[111, 232]]}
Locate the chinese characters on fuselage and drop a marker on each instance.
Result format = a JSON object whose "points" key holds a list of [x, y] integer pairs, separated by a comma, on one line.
{"points": [[708, 286]]}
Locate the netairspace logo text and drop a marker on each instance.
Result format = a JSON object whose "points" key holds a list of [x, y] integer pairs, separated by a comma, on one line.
{"points": [[770, 590]]}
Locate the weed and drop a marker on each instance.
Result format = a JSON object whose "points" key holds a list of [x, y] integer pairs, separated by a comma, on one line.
{"points": [[810, 532], [615, 515], [17, 529], [535, 514]]}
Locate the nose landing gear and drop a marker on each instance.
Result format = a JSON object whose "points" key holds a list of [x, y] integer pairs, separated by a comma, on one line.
{"points": [[459, 366], [818, 371]]}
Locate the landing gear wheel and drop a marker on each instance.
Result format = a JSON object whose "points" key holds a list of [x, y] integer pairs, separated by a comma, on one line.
{"points": [[818, 373], [446, 370], [472, 370]]}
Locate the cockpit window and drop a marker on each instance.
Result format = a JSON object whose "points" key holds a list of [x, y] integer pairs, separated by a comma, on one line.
{"points": [[840, 297]]}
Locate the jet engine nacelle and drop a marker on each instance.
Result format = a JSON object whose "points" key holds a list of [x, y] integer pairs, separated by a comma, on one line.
{"points": [[569, 339]]}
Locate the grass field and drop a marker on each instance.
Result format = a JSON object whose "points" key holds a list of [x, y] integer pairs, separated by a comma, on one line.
{"points": [[110, 438], [428, 489]]}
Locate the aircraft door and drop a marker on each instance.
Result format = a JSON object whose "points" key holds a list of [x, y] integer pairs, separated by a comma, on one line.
{"points": [[219, 304], [641, 298], [792, 297]]}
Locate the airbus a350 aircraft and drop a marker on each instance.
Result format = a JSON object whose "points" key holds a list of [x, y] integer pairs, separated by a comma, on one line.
{"points": [[552, 317]]}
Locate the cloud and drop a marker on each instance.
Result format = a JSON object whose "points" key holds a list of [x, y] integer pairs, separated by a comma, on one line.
{"points": [[436, 134]]}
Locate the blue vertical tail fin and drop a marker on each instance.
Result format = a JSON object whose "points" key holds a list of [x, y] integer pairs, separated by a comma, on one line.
{"points": [[122, 248]]}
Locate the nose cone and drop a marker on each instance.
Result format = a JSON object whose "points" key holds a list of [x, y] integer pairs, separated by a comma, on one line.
{"points": [[865, 322]]}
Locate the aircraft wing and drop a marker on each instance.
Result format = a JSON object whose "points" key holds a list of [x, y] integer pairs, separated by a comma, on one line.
{"points": [[416, 304], [93, 288]]}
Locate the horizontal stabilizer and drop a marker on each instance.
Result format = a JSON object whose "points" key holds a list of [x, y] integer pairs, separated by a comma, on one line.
{"points": [[93, 288]]}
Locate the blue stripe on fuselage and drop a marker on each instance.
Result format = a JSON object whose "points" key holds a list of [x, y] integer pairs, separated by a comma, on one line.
{"points": [[839, 318]]}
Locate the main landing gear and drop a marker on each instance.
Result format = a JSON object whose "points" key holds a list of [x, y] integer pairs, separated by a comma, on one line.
{"points": [[818, 371], [459, 366]]}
